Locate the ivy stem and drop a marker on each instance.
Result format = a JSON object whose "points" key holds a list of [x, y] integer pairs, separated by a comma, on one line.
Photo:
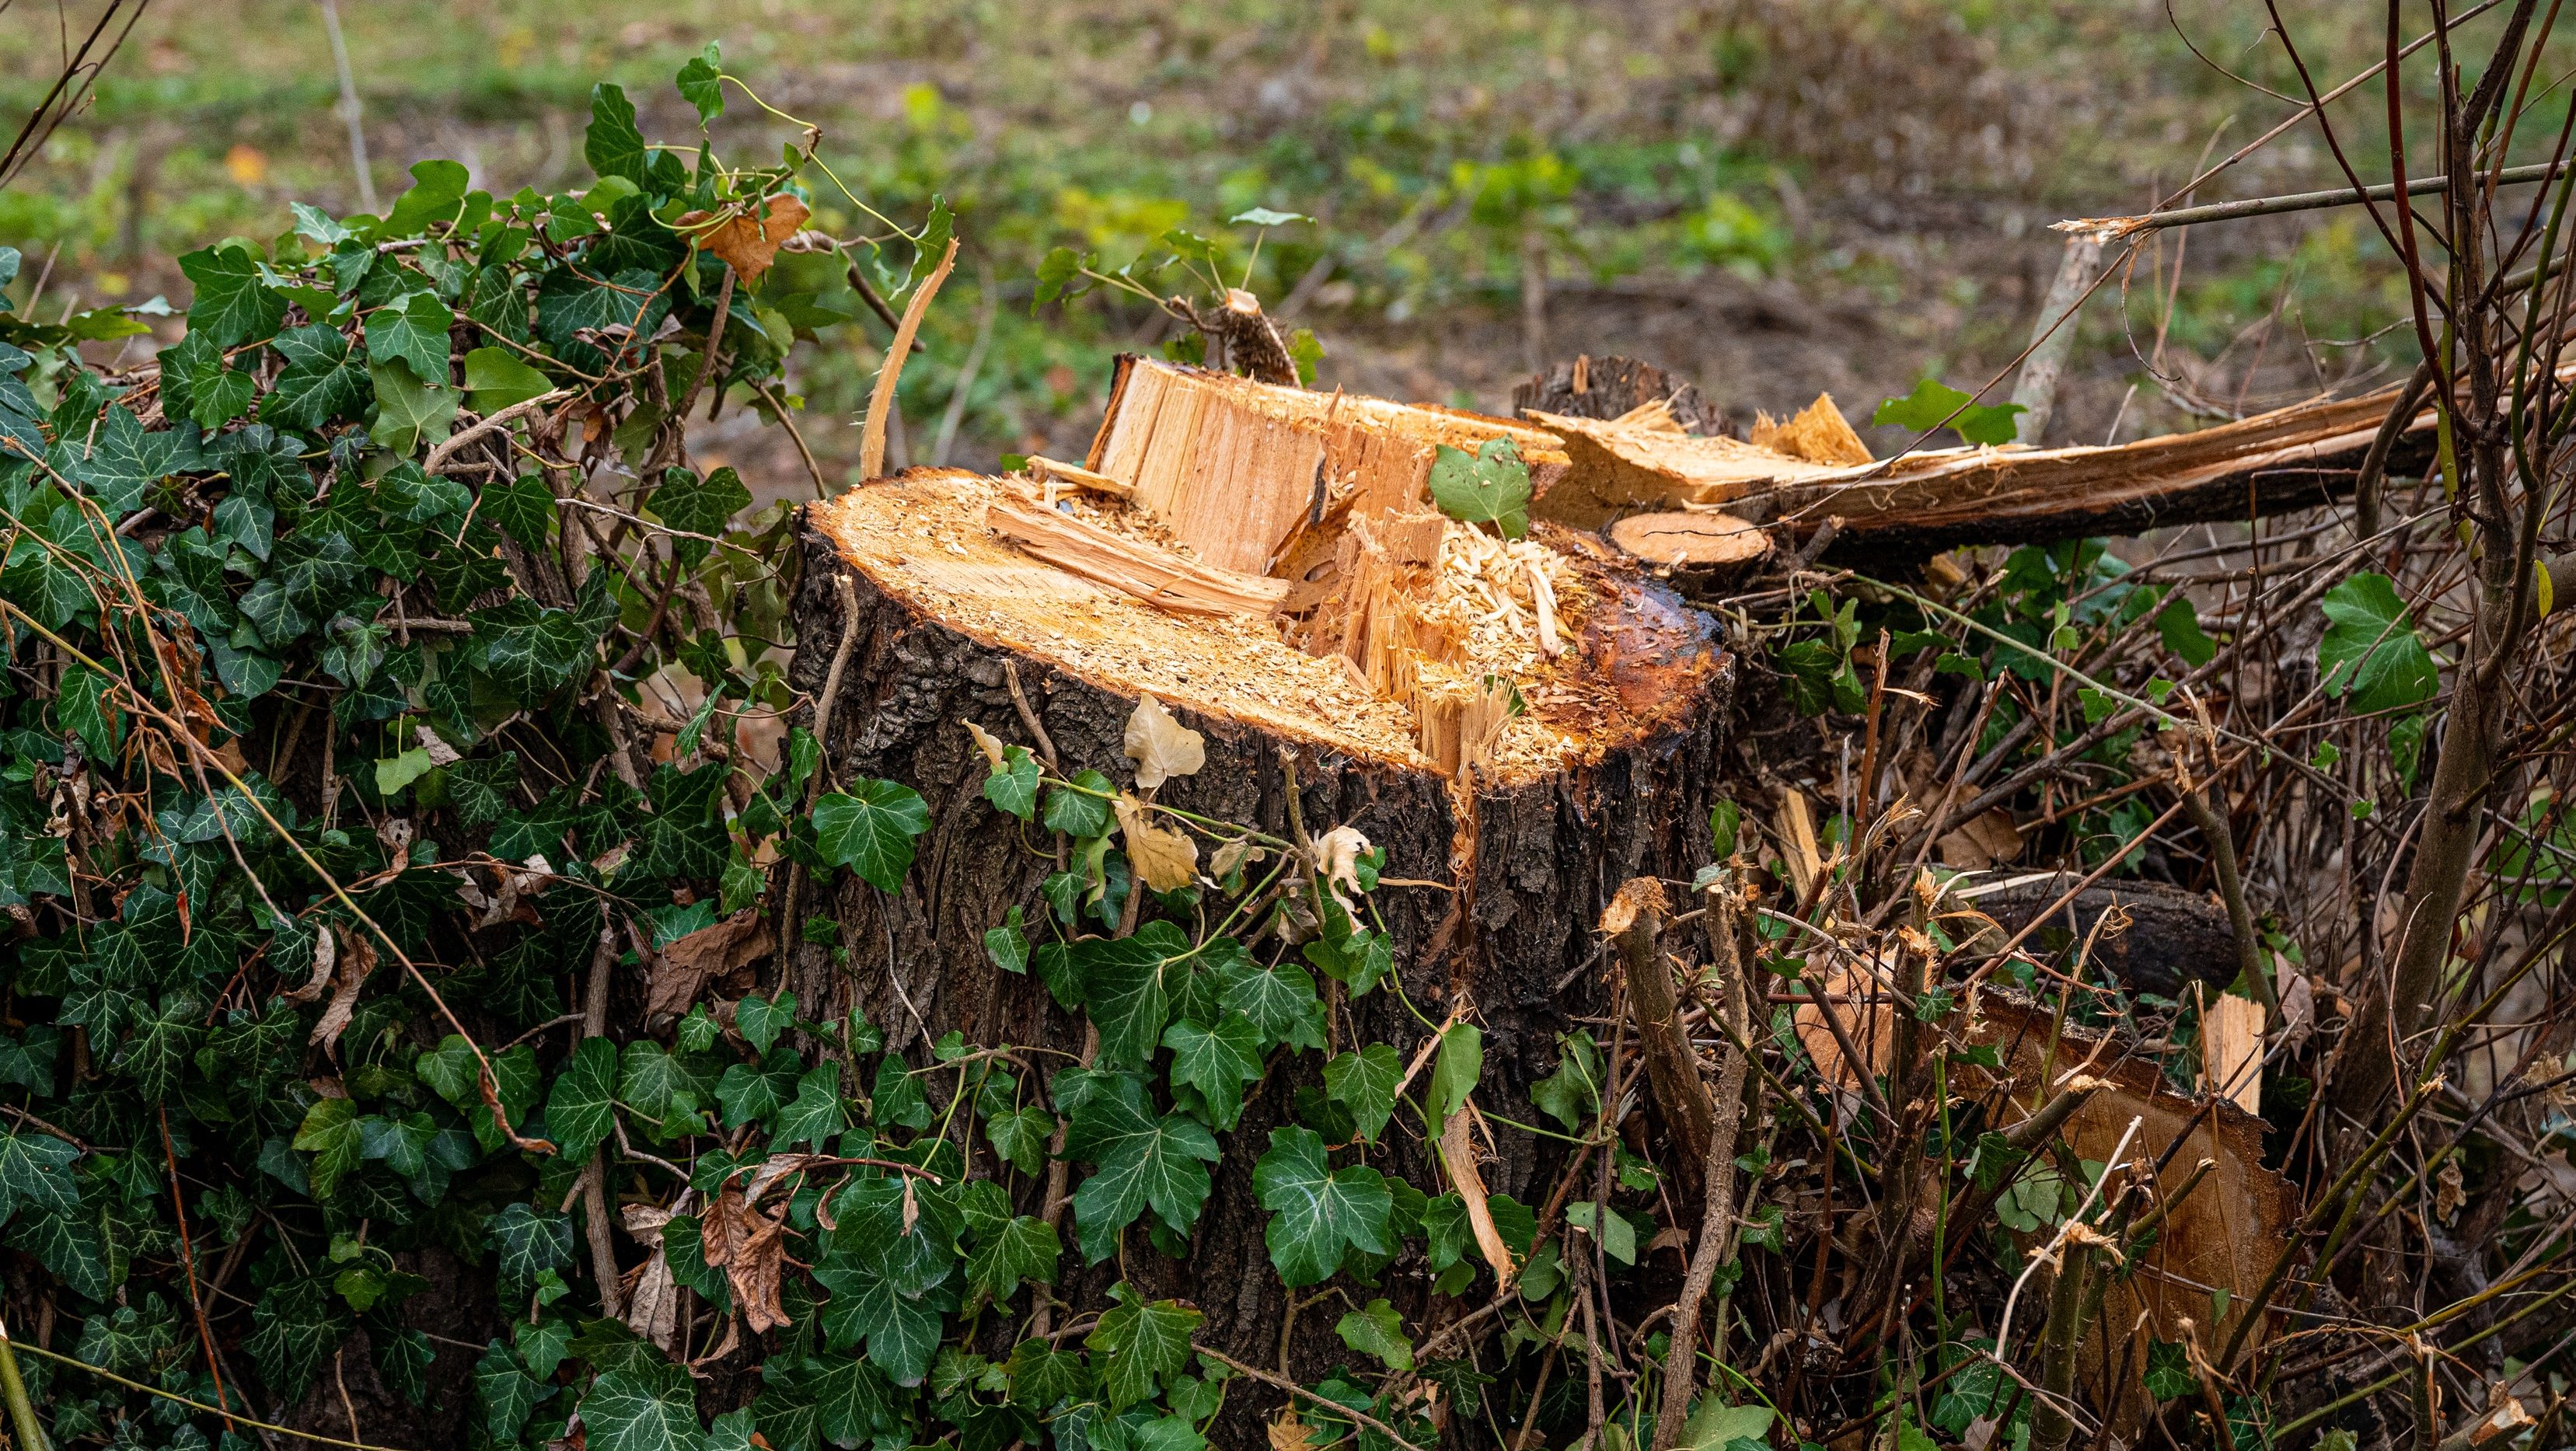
{"points": [[22, 1411]]}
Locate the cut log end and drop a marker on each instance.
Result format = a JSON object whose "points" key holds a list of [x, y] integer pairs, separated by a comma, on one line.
{"points": [[1703, 552]]}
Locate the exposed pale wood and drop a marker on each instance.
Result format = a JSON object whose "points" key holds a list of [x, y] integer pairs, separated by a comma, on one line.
{"points": [[1636, 918], [2231, 1050], [1690, 537], [1233, 466], [1819, 434], [1797, 823], [1155, 575], [1079, 477], [1616, 466]]}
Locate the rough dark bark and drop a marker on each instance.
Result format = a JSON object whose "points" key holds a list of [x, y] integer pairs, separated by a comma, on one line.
{"points": [[2174, 938], [1612, 386], [1530, 868]]}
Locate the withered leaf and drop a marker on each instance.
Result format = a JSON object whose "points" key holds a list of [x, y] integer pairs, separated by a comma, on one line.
{"points": [[683, 969], [1160, 746], [747, 245], [1165, 857], [357, 960]]}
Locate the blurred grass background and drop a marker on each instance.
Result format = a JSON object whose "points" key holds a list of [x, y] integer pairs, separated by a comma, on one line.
{"points": [[1772, 197]]}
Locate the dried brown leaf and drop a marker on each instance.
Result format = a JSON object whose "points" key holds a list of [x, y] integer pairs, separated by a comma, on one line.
{"points": [[1160, 746], [1165, 857], [326, 953], [357, 960], [682, 970], [747, 245], [987, 742], [1289, 1433]]}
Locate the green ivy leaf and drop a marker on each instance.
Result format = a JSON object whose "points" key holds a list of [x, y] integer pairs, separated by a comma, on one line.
{"points": [[35, 1175], [233, 305], [1934, 404], [1217, 1063], [645, 1407], [1364, 1082], [1013, 785], [760, 1020], [1020, 1136], [436, 194], [1083, 812], [1142, 1159], [294, 1328], [321, 382], [2370, 650], [508, 1393], [2179, 625], [581, 1110], [1376, 1330], [1140, 1345], [1490, 485], [613, 146], [409, 411], [1318, 1214], [1125, 989], [528, 1242], [870, 830], [814, 1116], [1455, 1071], [497, 380], [1280, 1001], [699, 85], [412, 328], [1572, 1094], [1008, 945], [1023, 1249], [697, 505]]}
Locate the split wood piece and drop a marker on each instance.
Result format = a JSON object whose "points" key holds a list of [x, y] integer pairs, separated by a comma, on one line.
{"points": [[1797, 831], [2174, 937], [2231, 1049], [1817, 433], [1604, 388], [1046, 470], [2224, 1236], [1635, 918], [1703, 552], [1640, 461], [1603, 778], [1153, 574], [2292, 458], [1237, 468]]}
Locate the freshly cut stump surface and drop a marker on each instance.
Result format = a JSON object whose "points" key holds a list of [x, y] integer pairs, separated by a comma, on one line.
{"points": [[1501, 852]]}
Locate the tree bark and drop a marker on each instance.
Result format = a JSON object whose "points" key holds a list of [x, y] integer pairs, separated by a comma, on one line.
{"points": [[1491, 891]]}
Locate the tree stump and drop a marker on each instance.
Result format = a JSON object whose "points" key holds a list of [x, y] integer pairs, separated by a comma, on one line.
{"points": [[1498, 861]]}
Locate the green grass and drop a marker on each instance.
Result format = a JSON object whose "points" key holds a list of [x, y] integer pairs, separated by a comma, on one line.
{"points": [[1903, 156]]}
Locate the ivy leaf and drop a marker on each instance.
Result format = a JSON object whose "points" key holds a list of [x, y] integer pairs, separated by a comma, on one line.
{"points": [[644, 1407], [497, 380], [1280, 1001], [1124, 989], [1364, 1082], [1454, 1073], [1218, 1062], [760, 1020], [1376, 1330], [195, 383], [86, 709], [1318, 1214], [528, 1242], [612, 145], [437, 191], [232, 305], [1140, 1345], [750, 1094], [330, 1134], [1492, 484], [700, 86], [35, 1175], [1013, 784], [1142, 1160], [1020, 1136], [1043, 1377], [1083, 812], [294, 1328], [1008, 944], [2370, 650], [1934, 404], [697, 505], [814, 1116], [1026, 1248], [412, 328], [581, 1110], [522, 508], [509, 1394], [870, 830], [409, 411], [2169, 1374], [1060, 275], [321, 383], [1572, 1094], [902, 1333], [2179, 625]]}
